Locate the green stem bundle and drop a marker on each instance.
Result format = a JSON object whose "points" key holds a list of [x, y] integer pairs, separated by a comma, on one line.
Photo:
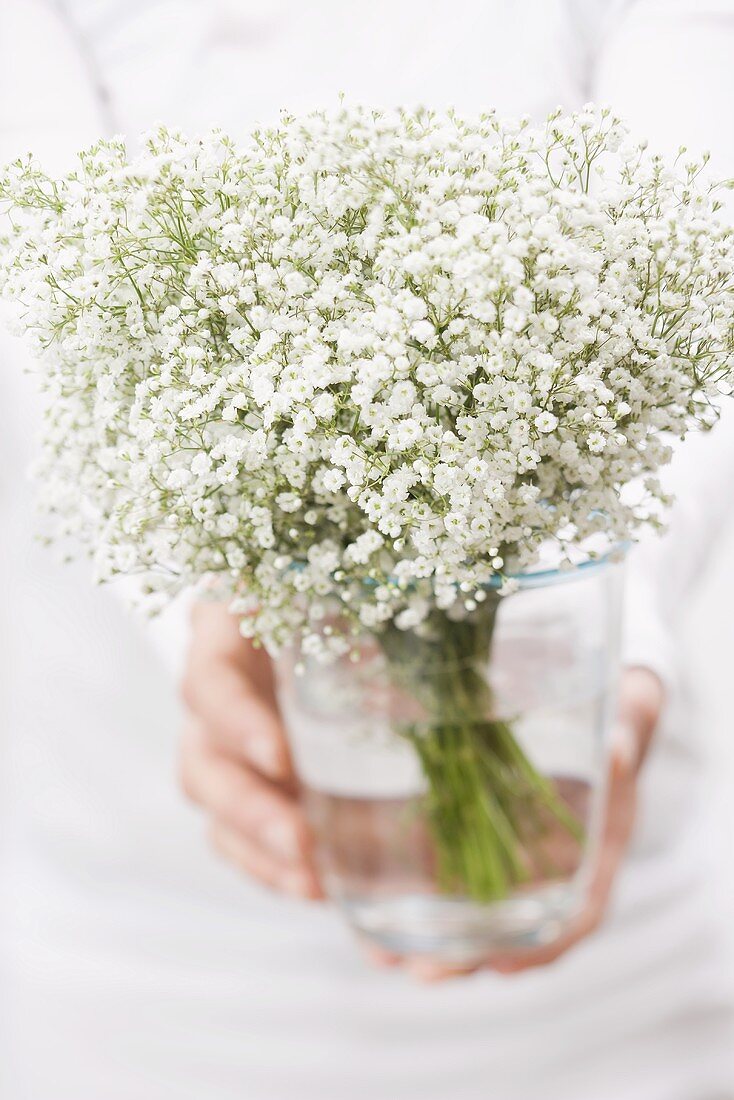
{"points": [[487, 806]]}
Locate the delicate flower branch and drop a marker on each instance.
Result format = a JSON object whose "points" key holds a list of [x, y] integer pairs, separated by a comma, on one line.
{"points": [[400, 348]]}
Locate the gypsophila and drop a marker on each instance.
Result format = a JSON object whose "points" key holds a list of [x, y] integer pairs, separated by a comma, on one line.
{"points": [[377, 357]]}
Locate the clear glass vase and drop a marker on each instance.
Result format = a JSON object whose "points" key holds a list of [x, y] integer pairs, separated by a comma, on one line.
{"points": [[454, 783]]}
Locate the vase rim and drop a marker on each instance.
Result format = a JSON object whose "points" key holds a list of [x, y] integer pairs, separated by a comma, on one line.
{"points": [[538, 578]]}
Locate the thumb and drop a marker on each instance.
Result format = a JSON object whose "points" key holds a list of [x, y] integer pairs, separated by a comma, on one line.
{"points": [[639, 705], [626, 750]]}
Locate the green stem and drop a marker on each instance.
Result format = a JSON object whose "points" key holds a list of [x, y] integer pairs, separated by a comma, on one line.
{"points": [[488, 807]]}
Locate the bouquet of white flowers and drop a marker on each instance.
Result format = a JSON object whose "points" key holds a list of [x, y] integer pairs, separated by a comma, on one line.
{"points": [[358, 371]]}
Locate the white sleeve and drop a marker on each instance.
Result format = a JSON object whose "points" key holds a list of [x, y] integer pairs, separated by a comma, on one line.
{"points": [[662, 572], [47, 103], [143, 55], [666, 67], [52, 103]]}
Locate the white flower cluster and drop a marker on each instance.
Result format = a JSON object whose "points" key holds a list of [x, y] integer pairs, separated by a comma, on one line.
{"points": [[381, 357]]}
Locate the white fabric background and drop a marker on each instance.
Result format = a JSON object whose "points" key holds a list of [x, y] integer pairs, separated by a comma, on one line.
{"points": [[134, 965]]}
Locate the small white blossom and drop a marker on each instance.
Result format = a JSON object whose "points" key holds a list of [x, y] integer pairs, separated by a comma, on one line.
{"points": [[364, 357], [546, 422], [596, 442]]}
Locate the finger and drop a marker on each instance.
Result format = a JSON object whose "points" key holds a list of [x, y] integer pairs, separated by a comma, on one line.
{"points": [[625, 749], [251, 859], [423, 968], [230, 684], [619, 813], [377, 955], [238, 719], [528, 958], [430, 970], [586, 922], [639, 706], [615, 835], [619, 819], [640, 702], [216, 628], [243, 800]]}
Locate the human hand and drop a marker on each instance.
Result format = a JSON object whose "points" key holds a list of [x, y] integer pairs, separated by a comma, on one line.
{"points": [[234, 757], [640, 703], [235, 764]]}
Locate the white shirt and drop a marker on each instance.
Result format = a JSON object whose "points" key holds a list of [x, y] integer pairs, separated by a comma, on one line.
{"points": [[135, 964]]}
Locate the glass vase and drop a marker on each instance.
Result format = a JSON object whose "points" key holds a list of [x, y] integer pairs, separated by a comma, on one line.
{"points": [[454, 782]]}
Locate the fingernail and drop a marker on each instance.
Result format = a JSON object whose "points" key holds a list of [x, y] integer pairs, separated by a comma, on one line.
{"points": [[501, 966], [264, 753], [427, 971], [279, 836], [378, 955]]}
